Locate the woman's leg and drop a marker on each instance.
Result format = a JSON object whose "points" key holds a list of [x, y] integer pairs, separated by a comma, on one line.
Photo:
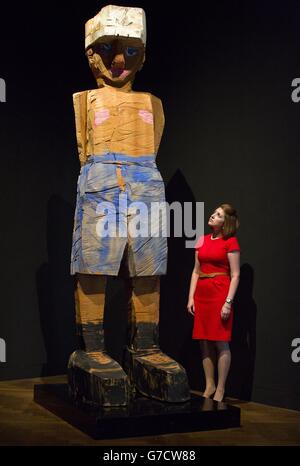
{"points": [[224, 360], [208, 360]]}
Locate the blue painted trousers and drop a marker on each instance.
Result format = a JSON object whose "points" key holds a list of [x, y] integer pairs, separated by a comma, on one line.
{"points": [[117, 208]]}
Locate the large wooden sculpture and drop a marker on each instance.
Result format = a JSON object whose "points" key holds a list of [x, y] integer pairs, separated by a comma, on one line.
{"points": [[118, 135]]}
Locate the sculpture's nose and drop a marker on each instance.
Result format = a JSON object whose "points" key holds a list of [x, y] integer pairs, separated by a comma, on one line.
{"points": [[118, 61]]}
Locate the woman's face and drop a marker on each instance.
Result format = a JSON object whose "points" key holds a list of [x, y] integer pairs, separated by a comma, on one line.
{"points": [[216, 220]]}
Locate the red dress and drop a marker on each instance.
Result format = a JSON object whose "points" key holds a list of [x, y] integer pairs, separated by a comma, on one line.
{"points": [[210, 293]]}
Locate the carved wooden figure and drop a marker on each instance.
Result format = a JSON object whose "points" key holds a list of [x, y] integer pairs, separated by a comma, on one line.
{"points": [[118, 135]]}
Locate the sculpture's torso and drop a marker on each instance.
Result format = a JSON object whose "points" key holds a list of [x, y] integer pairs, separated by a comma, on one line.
{"points": [[128, 123]]}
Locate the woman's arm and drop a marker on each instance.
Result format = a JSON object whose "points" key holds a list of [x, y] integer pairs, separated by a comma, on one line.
{"points": [[193, 284], [234, 263]]}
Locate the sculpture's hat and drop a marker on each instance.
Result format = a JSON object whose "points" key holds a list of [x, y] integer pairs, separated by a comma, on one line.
{"points": [[116, 21]]}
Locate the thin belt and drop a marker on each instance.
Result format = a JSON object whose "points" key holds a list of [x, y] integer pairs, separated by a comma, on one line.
{"points": [[212, 274], [123, 159]]}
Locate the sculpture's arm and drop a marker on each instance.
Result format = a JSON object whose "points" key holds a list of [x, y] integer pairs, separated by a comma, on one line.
{"points": [[80, 109], [159, 120]]}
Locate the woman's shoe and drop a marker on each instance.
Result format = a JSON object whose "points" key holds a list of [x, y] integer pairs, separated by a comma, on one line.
{"points": [[209, 394], [219, 396]]}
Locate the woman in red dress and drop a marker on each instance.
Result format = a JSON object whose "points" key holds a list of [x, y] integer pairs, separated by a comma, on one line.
{"points": [[213, 285]]}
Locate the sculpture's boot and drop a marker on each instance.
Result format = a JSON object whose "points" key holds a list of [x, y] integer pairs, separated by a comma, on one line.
{"points": [[92, 374], [153, 373]]}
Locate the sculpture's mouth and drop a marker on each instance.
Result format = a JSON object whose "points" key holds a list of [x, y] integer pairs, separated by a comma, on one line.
{"points": [[119, 73]]}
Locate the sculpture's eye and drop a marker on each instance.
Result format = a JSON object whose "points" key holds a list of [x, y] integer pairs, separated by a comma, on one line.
{"points": [[131, 51], [105, 48]]}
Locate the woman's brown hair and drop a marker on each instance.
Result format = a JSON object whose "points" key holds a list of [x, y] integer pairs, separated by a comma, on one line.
{"points": [[231, 221]]}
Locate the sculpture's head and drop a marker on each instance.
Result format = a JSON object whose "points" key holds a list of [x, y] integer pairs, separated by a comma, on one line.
{"points": [[115, 41]]}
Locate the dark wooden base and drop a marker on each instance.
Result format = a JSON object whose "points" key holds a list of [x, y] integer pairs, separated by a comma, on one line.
{"points": [[143, 416]]}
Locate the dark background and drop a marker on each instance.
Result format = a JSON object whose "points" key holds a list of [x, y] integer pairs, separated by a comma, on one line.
{"points": [[224, 73]]}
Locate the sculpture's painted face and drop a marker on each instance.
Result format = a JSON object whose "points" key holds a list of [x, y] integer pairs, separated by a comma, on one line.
{"points": [[114, 61]]}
